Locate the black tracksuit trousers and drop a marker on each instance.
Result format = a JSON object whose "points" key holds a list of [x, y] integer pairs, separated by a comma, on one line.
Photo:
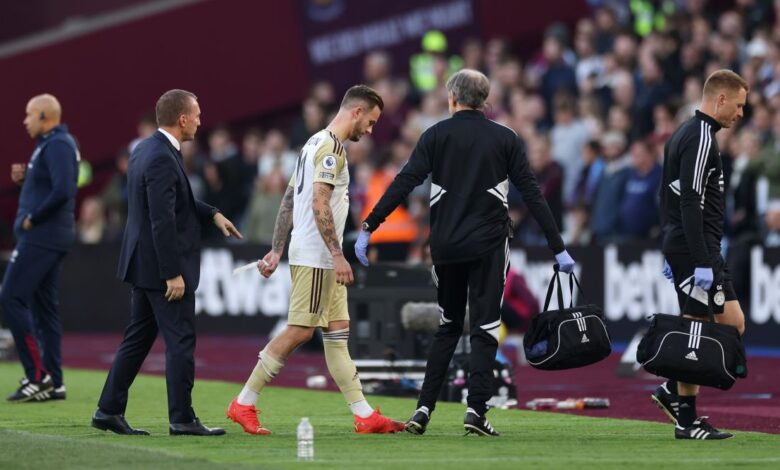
{"points": [[481, 282]]}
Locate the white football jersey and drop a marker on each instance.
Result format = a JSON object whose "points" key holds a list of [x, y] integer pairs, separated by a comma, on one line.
{"points": [[322, 160]]}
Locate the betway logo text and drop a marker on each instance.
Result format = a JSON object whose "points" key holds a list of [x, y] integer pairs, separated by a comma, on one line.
{"points": [[248, 293], [636, 289], [764, 289]]}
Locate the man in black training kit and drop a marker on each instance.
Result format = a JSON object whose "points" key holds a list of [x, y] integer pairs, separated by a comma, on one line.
{"points": [[45, 230], [472, 160], [693, 204]]}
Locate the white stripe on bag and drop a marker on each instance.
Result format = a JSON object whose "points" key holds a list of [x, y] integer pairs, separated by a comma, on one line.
{"points": [[698, 335]]}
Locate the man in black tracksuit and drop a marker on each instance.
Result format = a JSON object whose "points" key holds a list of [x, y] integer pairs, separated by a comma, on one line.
{"points": [[692, 211], [45, 230], [472, 161]]}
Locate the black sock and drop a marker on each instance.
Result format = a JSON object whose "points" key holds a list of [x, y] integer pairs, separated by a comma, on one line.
{"points": [[687, 414], [671, 385]]}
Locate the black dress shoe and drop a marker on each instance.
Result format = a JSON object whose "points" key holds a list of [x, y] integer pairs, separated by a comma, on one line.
{"points": [[194, 428], [115, 423]]}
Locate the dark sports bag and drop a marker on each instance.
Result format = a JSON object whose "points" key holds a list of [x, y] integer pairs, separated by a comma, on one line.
{"points": [[693, 351], [566, 338]]}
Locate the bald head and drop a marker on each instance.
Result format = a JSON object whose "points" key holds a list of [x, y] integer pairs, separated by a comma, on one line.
{"points": [[469, 88], [43, 114]]}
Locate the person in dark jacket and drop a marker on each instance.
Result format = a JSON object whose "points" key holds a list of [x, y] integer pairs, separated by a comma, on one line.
{"points": [[693, 208], [471, 161], [45, 230], [160, 259]]}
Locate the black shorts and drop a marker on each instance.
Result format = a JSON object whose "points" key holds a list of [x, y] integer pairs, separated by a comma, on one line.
{"points": [[722, 289]]}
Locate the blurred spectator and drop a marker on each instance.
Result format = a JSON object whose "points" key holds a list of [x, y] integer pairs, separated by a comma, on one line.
{"points": [[251, 147], [691, 98], [394, 113], [223, 176], [651, 91], [605, 219], [360, 157], [663, 126], [639, 206], [377, 66], [114, 199], [392, 240], [581, 199], [495, 51], [606, 28], [430, 68], [568, 135], [558, 76], [624, 92], [147, 125], [519, 305], [767, 164], [276, 153], [325, 95], [91, 227], [258, 225], [549, 176], [742, 211], [473, 55], [311, 121], [590, 66], [625, 51], [761, 123], [432, 110], [193, 167], [742, 196]]}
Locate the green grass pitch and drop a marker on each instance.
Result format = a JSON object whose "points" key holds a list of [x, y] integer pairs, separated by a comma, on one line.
{"points": [[58, 435]]}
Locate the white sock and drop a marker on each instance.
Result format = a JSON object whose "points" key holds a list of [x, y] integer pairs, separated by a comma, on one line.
{"points": [[361, 408], [247, 397], [425, 410]]}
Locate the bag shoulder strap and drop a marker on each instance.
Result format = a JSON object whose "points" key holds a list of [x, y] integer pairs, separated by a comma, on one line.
{"points": [[572, 282], [555, 276]]}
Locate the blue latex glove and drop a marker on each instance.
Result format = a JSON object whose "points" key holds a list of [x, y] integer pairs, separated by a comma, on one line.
{"points": [[361, 245], [668, 272], [702, 277], [565, 262]]}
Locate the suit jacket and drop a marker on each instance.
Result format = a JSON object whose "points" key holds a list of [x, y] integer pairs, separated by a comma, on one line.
{"points": [[162, 235]]}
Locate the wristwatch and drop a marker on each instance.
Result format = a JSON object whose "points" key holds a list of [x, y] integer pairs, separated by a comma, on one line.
{"points": [[365, 227]]}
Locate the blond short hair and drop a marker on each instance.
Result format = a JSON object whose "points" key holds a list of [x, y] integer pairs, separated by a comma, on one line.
{"points": [[724, 80]]}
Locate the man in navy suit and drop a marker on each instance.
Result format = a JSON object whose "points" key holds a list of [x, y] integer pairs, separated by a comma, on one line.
{"points": [[160, 258]]}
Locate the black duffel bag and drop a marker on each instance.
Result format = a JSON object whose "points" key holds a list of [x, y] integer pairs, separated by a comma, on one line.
{"points": [[693, 351], [569, 337]]}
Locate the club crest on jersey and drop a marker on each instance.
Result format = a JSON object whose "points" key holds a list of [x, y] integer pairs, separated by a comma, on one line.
{"points": [[719, 298], [329, 162]]}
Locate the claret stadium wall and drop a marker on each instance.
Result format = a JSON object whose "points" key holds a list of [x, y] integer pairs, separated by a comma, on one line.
{"points": [[243, 58]]}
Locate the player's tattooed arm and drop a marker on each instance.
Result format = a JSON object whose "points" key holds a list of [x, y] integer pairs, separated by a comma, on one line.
{"points": [[323, 216], [284, 221]]}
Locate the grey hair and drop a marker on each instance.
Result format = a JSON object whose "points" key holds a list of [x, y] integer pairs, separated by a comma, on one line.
{"points": [[470, 88]]}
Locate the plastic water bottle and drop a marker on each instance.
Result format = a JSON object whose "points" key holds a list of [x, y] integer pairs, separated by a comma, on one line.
{"points": [[305, 440]]}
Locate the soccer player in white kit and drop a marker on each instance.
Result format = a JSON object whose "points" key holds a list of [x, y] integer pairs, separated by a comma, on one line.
{"points": [[315, 206]]}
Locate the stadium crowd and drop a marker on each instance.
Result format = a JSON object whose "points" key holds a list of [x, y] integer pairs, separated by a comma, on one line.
{"points": [[595, 106]]}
